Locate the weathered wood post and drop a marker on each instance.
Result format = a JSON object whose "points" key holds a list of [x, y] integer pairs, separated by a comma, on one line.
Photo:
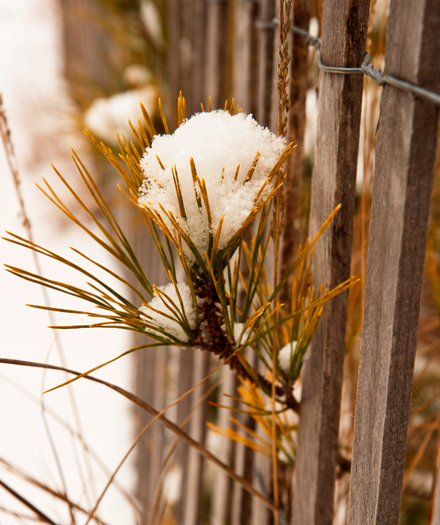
{"points": [[344, 33], [402, 185]]}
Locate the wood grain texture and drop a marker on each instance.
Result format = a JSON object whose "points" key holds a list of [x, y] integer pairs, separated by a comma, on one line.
{"points": [[185, 382], [245, 58], [405, 159], [196, 93], [216, 57], [194, 475], [221, 498], [266, 50], [295, 133], [435, 518], [174, 14], [243, 461], [339, 108]]}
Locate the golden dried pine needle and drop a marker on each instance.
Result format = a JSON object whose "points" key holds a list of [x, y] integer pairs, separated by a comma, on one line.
{"points": [[281, 160], [231, 110], [204, 193], [135, 151], [148, 121], [143, 134], [251, 171], [236, 173], [237, 437], [251, 432], [210, 105], [179, 109], [92, 370], [160, 162], [178, 192], [164, 120], [260, 191], [195, 179], [135, 133], [217, 235]]}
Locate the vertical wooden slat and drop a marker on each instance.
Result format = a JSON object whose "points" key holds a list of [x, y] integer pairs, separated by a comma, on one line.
{"points": [[185, 382], [248, 474], [435, 519], [239, 468], [262, 478], [245, 54], [221, 504], [266, 85], [243, 464], [197, 71], [174, 15], [216, 59], [343, 43], [193, 475], [149, 377], [405, 157]]}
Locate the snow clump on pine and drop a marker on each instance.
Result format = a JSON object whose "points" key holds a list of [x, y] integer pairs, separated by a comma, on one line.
{"points": [[160, 309], [218, 142]]}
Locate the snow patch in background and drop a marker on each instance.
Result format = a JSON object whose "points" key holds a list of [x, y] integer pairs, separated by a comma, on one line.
{"points": [[107, 117], [37, 107]]}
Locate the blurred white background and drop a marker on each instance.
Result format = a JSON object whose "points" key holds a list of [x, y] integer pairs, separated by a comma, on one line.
{"points": [[38, 111]]}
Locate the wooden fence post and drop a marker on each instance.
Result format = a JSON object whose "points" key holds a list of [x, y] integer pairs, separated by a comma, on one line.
{"points": [[405, 159], [343, 42]]}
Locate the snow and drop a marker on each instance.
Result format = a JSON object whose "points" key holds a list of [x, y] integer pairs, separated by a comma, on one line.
{"points": [[173, 327], [286, 452], [172, 486], [108, 116], [285, 355], [218, 143], [238, 328]]}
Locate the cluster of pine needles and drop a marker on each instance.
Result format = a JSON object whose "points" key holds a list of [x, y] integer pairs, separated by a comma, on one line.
{"points": [[228, 286]]}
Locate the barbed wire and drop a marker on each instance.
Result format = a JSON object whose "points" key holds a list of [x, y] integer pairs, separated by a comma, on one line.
{"points": [[365, 69]]}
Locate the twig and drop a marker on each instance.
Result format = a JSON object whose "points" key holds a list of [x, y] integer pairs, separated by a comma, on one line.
{"points": [[27, 503]]}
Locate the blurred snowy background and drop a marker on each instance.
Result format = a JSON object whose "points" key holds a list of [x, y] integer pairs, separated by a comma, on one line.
{"points": [[42, 122]]}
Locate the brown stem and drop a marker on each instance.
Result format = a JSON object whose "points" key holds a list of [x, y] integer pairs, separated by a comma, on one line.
{"points": [[214, 339]]}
